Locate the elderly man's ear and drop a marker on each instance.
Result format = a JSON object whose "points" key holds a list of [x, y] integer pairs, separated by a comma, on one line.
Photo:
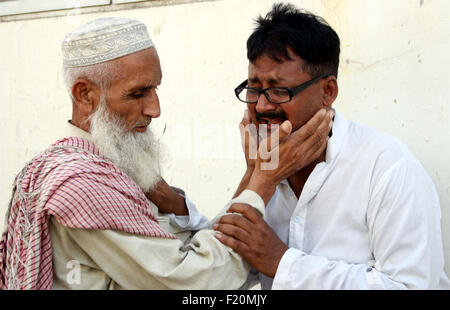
{"points": [[86, 96]]}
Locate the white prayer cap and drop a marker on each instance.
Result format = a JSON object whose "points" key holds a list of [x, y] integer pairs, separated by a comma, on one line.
{"points": [[104, 39]]}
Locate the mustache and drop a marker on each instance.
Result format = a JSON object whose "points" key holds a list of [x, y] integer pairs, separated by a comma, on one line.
{"points": [[142, 123], [279, 114]]}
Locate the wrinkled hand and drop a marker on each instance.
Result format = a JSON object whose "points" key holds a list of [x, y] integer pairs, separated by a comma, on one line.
{"points": [[252, 238], [167, 199], [294, 151]]}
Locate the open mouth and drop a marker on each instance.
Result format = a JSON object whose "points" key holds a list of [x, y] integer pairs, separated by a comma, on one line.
{"points": [[271, 122]]}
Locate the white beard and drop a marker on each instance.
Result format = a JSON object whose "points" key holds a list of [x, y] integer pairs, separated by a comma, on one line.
{"points": [[136, 154]]}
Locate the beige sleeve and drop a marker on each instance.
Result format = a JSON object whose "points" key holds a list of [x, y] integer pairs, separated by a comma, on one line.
{"points": [[139, 262], [247, 197]]}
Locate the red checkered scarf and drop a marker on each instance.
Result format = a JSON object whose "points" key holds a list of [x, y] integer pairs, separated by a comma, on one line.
{"points": [[81, 189]]}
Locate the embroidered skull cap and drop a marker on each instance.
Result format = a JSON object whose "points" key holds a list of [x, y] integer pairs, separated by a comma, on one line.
{"points": [[104, 39]]}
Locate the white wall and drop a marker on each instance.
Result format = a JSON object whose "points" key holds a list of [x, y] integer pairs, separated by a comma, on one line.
{"points": [[393, 76]]}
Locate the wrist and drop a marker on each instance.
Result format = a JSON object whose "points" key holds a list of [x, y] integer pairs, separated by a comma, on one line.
{"points": [[168, 200], [277, 260], [261, 186], [178, 204], [249, 171], [182, 208]]}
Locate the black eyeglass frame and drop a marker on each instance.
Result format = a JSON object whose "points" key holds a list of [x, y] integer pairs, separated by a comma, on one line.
{"points": [[291, 91]]}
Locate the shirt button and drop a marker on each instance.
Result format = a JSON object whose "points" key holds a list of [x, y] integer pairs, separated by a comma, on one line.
{"points": [[297, 219]]}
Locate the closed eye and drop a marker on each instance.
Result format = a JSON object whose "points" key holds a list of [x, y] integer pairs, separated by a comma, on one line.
{"points": [[137, 94]]}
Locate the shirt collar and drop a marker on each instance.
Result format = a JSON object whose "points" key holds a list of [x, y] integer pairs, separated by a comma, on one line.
{"points": [[73, 131], [340, 127]]}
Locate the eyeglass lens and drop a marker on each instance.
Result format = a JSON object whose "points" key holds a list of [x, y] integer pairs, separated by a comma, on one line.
{"points": [[275, 95]]}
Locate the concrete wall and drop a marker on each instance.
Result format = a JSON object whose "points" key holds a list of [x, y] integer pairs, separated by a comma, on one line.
{"points": [[393, 77]]}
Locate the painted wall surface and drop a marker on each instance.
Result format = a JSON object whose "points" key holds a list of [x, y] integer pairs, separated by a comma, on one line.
{"points": [[393, 77]]}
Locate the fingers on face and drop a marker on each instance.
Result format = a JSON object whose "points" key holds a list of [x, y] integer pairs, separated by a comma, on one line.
{"points": [[246, 118], [276, 137], [286, 127], [281, 133], [321, 134], [317, 142], [244, 122], [248, 133], [311, 126], [317, 128]]}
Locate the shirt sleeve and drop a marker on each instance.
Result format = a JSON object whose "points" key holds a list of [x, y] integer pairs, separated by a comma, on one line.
{"points": [[246, 197], [194, 221], [403, 219], [140, 262]]}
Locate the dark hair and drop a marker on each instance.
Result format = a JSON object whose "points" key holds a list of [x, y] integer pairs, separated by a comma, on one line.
{"points": [[309, 36]]}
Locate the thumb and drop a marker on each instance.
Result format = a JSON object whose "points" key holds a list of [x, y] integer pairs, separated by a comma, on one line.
{"points": [[285, 130], [277, 136], [246, 118]]}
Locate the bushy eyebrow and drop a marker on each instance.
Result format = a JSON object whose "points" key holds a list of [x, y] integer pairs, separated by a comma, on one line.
{"points": [[253, 80], [143, 87], [139, 88], [272, 81]]}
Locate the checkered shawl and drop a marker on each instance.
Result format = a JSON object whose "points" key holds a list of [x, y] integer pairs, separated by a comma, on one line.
{"points": [[81, 189]]}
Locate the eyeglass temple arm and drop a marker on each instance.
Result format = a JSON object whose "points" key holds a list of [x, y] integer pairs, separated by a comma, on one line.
{"points": [[243, 84], [238, 89], [299, 88]]}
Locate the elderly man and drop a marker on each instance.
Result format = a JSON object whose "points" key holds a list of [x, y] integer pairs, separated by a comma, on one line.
{"points": [[365, 214], [80, 215]]}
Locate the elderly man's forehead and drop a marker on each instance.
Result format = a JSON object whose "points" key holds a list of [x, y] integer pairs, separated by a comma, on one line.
{"points": [[139, 62], [138, 71]]}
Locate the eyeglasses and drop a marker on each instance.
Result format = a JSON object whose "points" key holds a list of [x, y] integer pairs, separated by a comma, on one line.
{"points": [[273, 94]]}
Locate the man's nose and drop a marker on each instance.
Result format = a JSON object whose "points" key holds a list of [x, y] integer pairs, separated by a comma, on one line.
{"points": [[151, 107], [264, 105]]}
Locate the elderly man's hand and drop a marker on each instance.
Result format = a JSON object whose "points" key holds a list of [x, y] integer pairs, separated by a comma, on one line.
{"points": [[294, 151], [251, 237], [167, 199]]}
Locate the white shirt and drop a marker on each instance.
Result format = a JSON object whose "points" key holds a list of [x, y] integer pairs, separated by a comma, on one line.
{"points": [[367, 218]]}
